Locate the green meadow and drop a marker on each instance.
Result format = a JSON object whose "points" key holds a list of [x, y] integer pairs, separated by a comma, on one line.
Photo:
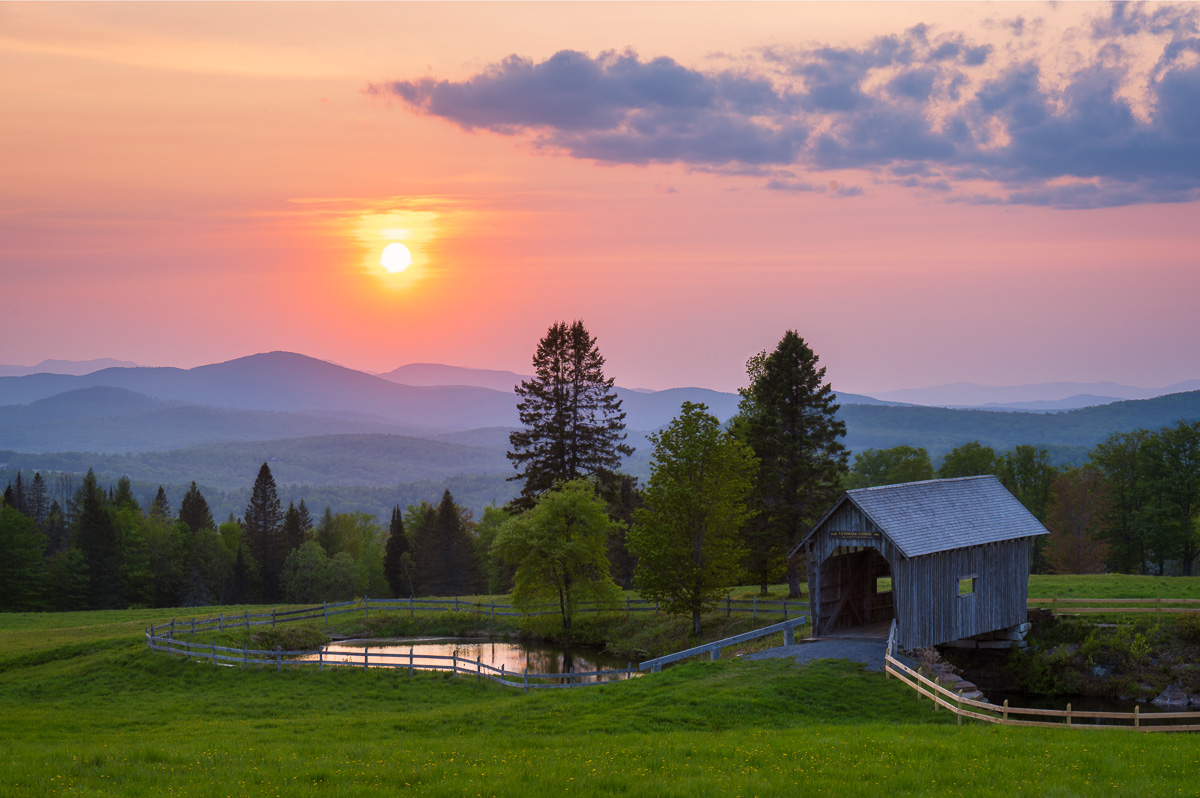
{"points": [[89, 711]]}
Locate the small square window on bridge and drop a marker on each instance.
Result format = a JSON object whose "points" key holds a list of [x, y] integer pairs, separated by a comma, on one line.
{"points": [[966, 585]]}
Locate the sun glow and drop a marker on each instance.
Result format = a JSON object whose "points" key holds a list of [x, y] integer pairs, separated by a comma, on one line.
{"points": [[395, 257]]}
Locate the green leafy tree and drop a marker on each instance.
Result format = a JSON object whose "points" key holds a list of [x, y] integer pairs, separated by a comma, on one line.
{"points": [[68, 586], [788, 416], [687, 537], [1120, 460], [21, 548], [972, 459], [304, 575], [1028, 475], [263, 522], [573, 422], [341, 577], [559, 551], [193, 510], [1172, 476], [873, 467], [497, 575]]}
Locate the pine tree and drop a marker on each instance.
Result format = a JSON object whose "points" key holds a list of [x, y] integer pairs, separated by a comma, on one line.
{"points": [[262, 523], [160, 508], [788, 417], [574, 425], [35, 500], [123, 497], [306, 522], [194, 512], [97, 537], [294, 530], [396, 557], [18, 498]]}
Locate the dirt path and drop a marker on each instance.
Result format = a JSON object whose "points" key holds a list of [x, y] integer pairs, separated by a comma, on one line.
{"points": [[868, 651]]}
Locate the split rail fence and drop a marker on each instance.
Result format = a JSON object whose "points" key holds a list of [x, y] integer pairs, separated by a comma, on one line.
{"points": [[1157, 605], [1006, 715], [176, 638]]}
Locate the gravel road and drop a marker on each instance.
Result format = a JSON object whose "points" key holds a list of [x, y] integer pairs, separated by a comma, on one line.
{"points": [[866, 651]]}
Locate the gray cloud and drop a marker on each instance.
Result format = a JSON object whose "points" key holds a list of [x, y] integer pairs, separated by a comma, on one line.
{"points": [[920, 109]]}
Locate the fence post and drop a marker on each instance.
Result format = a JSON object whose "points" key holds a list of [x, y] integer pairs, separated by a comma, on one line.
{"points": [[728, 605], [1137, 718], [1054, 607], [273, 619], [1068, 716], [454, 654], [478, 671], [412, 610], [754, 616], [243, 656], [1158, 615], [1004, 715], [366, 609], [214, 653], [959, 712], [247, 620], [220, 622], [526, 689], [789, 635], [785, 608], [628, 670], [410, 661], [278, 659], [714, 654], [325, 611], [493, 609], [366, 656], [187, 645], [321, 658], [627, 608], [172, 628], [193, 626]]}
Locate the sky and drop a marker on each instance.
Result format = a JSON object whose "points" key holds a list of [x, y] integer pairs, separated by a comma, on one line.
{"points": [[1000, 193]]}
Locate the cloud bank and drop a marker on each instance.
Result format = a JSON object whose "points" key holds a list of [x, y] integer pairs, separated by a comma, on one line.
{"points": [[967, 120]]}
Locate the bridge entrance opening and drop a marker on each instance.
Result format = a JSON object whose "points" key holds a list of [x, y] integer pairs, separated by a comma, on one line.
{"points": [[856, 594]]}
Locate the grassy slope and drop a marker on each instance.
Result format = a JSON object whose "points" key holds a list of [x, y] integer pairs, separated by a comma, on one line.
{"points": [[89, 711]]}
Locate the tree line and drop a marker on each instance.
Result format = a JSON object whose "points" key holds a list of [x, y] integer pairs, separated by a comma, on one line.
{"points": [[723, 505]]}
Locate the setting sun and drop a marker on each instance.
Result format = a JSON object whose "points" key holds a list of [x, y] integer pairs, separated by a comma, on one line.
{"points": [[395, 257]]}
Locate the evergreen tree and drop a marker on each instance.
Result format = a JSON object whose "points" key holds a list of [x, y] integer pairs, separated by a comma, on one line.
{"points": [[10, 497], [396, 557], [443, 550], [123, 497], [58, 536], [294, 530], [262, 522], [327, 533], [687, 536], [18, 498], [21, 547], [788, 417], [306, 522], [36, 500], [97, 538], [426, 548], [574, 425], [194, 512], [68, 586], [160, 508]]}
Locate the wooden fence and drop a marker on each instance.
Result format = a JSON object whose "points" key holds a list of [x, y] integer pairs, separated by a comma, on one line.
{"points": [[714, 649], [1157, 605], [166, 638], [1004, 714], [366, 606]]}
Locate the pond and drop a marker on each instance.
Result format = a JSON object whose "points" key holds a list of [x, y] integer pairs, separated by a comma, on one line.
{"points": [[513, 656]]}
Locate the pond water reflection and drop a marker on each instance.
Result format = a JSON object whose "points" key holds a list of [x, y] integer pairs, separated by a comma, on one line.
{"points": [[513, 656]]}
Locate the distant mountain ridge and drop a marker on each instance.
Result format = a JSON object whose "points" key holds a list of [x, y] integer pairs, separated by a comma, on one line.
{"points": [[969, 394], [76, 367]]}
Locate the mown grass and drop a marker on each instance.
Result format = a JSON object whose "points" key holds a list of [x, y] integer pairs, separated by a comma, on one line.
{"points": [[89, 711], [1113, 586]]}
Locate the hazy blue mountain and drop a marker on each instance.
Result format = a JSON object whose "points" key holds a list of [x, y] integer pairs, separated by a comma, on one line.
{"points": [[107, 420], [66, 367], [969, 394], [1051, 405], [428, 374]]}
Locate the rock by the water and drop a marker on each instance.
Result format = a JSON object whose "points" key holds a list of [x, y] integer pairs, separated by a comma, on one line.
{"points": [[1172, 696]]}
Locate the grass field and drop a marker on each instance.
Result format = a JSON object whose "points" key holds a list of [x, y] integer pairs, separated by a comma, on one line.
{"points": [[88, 711]]}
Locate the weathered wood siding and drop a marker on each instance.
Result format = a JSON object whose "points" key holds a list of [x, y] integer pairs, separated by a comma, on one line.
{"points": [[924, 598]]}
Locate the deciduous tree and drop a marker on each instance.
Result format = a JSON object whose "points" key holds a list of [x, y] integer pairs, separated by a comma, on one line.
{"points": [[1076, 520], [972, 459], [873, 467], [687, 535], [559, 551]]}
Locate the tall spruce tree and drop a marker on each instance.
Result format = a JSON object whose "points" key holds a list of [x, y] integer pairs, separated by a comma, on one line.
{"points": [[36, 500], [574, 425], [396, 558], [194, 512], [97, 537], [788, 417], [263, 523], [294, 530], [160, 508]]}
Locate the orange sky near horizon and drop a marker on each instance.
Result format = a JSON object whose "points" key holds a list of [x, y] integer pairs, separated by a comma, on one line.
{"points": [[190, 183]]}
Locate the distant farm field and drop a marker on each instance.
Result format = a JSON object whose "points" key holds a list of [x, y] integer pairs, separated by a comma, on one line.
{"points": [[88, 711]]}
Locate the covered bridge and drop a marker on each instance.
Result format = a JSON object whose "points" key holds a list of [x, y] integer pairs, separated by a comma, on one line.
{"points": [[946, 558]]}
